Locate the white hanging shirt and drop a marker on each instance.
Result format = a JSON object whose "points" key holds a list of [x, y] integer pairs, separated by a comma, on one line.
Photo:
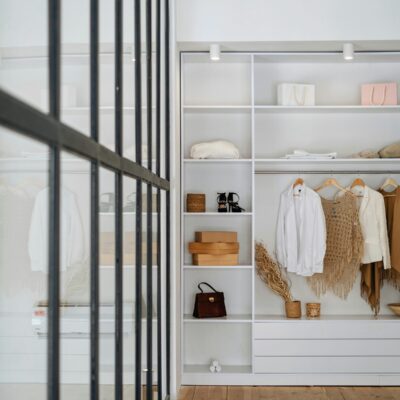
{"points": [[373, 226], [301, 231], [71, 235]]}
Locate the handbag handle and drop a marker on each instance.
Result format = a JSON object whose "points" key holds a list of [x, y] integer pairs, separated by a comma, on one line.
{"points": [[205, 283], [372, 97]]}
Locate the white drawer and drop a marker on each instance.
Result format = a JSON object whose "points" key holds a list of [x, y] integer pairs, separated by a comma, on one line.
{"points": [[313, 329], [327, 365], [344, 347]]}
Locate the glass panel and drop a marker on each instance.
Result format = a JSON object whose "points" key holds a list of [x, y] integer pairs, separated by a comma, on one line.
{"points": [[107, 284], [75, 65], [129, 80], [107, 73], [23, 51], [129, 293], [23, 266], [144, 84], [75, 277]]}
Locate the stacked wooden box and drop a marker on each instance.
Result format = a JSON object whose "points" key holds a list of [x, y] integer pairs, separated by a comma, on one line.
{"points": [[215, 248]]}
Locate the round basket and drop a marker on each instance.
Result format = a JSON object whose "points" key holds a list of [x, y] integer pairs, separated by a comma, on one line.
{"points": [[395, 307], [196, 202], [293, 309], [313, 310]]}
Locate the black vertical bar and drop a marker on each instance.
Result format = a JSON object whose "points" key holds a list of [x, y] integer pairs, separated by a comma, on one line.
{"points": [[118, 204], [53, 343], [149, 278], [168, 201], [94, 203], [138, 244], [158, 172], [54, 57]]}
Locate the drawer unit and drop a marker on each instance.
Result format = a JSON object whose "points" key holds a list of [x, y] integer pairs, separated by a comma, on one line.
{"points": [[328, 329], [329, 347], [327, 365]]}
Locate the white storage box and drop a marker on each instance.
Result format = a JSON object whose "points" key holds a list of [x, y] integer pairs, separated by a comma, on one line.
{"points": [[296, 94]]}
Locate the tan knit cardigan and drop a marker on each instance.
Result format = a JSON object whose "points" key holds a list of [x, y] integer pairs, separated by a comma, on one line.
{"points": [[344, 248]]}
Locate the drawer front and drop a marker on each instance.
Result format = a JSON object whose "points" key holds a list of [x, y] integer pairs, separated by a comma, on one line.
{"points": [[327, 330], [327, 365], [364, 347]]}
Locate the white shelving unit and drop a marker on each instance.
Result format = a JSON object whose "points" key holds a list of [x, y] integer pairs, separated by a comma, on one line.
{"points": [[235, 99]]}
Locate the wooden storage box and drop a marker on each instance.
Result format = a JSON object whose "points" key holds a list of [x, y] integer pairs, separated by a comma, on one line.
{"points": [[215, 236], [216, 248], [211, 259], [196, 202]]}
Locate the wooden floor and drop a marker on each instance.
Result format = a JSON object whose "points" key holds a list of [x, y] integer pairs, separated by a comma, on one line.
{"points": [[287, 393]]}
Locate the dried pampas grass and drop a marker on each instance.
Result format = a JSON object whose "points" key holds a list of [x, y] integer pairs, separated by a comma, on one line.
{"points": [[271, 273]]}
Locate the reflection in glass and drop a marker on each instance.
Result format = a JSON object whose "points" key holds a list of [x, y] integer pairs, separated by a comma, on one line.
{"points": [[23, 266], [24, 55], [75, 65], [107, 285], [75, 277], [129, 293]]}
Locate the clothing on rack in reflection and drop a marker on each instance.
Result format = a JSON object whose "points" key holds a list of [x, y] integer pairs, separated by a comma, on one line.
{"points": [[71, 235]]}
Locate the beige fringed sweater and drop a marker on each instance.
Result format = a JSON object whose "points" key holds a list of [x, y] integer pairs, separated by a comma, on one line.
{"points": [[344, 248]]}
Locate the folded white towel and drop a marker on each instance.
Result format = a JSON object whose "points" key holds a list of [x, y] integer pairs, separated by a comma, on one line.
{"points": [[215, 149], [304, 155]]}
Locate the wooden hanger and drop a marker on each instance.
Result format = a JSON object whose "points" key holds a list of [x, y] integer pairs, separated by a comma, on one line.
{"points": [[357, 182], [389, 182], [298, 182], [330, 182]]}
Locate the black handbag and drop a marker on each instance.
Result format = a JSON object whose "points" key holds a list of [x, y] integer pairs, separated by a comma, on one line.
{"points": [[209, 305]]}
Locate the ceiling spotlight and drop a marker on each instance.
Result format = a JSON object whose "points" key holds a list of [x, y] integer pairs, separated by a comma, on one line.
{"points": [[215, 52], [348, 51]]}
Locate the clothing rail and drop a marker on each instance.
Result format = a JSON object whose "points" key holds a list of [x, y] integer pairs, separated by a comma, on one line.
{"points": [[331, 172]]}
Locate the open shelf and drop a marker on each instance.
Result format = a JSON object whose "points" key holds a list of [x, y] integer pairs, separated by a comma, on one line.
{"points": [[358, 164], [217, 214], [217, 267], [217, 108], [233, 318], [343, 317], [217, 160], [328, 109], [226, 369]]}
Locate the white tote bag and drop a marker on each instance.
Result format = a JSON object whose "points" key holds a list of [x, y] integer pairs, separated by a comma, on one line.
{"points": [[296, 94]]}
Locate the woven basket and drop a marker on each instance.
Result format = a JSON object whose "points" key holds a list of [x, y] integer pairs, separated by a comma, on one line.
{"points": [[196, 202], [313, 310], [293, 309]]}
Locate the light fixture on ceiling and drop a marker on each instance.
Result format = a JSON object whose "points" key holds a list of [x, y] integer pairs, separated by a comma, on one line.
{"points": [[348, 51], [215, 52]]}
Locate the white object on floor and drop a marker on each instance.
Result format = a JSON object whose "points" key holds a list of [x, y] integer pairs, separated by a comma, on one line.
{"points": [[214, 149]]}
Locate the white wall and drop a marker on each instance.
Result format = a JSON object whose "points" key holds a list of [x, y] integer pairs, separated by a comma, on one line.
{"points": [[287, 20]]}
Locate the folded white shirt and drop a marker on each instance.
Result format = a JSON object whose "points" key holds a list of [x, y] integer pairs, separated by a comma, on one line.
{"points": [[302, 154]]}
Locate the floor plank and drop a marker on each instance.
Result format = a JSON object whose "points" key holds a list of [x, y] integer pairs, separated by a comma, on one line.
{"points": [[239, 393], [288, 393], [366, 393], [186, 393], [333, 393]]}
